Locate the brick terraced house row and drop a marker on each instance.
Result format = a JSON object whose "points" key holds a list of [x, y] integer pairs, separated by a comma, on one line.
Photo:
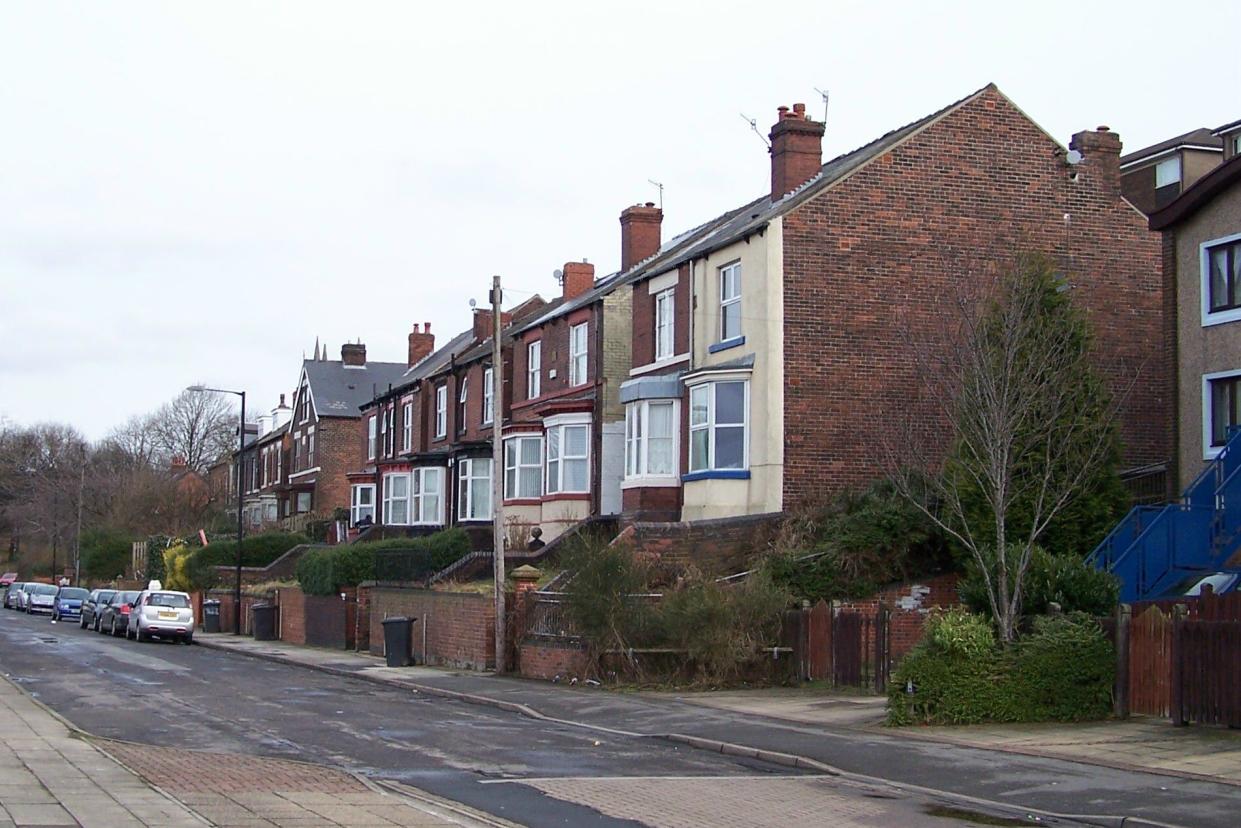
{"points": [[768, 357]]}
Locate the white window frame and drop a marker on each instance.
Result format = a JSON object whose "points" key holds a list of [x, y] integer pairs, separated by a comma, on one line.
{"points": [[310, 451], [467, 471], [419, 495], [579, 351], [385, 429], [637, 442], [665, 324], [358, 510], [534, 369], [441, 411], [555, 428], [407, 427], [279, 464], [709, 387], [390, 499], [372, 439], [488, 396], [1210, 452], [727, 300], [514, 466], [1169, 171], [1210, 317], [463, 399]]}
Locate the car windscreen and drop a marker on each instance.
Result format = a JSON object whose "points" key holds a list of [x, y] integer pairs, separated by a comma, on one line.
{"points": [[123, 598], [73, 594], [43, 589], [104, 595], [167, 599]]}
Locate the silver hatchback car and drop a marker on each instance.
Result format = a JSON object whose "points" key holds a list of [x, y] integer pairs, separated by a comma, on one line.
{"points": [[161, 614]]}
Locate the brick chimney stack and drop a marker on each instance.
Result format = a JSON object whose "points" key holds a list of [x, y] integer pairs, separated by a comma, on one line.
{"points": [[421, 343], [579, 277], [796, 150], [640, 233], [482, 323], [1100, 151], [353, 353]]}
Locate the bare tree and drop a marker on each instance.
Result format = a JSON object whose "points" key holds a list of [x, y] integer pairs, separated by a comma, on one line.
{"points": [[1028, 424], [135, 443], [199, 427]]}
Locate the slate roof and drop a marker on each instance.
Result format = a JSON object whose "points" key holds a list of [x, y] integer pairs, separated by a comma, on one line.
{"points": [[1228, 127], [340, 390], [1201, 137], [749, 218], [1202, 192]]}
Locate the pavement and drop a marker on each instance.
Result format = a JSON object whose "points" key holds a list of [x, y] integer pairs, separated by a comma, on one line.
{"points": [[1150, 745], [52, 774]]}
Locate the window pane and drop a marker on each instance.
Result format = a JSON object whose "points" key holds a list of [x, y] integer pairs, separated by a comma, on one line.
{"points": [[531, 451], [729, 403], [480, 492], [575, 441], [660, 415], [1167, 172], [1219, 279], [698, 405], [659, 458], [698, 457], [1219, 412], [1234, 255], [553, 443], [553, 476], [731, 326], [576, 476], [399, 485], [730, 447], [430, 509], [531, 482]]}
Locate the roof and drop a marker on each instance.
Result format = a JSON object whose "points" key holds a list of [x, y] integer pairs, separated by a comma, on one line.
{"points": [[1199, 195], [340, 390], [1200, 137], [1228, 127]]}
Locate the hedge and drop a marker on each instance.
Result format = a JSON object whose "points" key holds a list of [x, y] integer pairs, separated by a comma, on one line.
{"points": [[256, 550], [1061, 671], [325, 571], [413, 559]]}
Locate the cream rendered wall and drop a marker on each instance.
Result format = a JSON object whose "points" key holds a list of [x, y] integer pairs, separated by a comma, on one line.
{"points": [[762, 315], [1200, 350], [553, 516]]}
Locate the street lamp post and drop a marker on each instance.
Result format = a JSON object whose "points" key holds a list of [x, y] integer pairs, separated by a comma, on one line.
{"points": [[241, 457]]}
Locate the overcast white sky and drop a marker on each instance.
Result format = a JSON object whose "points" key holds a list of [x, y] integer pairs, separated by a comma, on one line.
{"points": [[194, 192]]}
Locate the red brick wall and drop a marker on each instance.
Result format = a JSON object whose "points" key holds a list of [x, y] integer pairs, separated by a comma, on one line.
{"points": [[555, 354], [292, 615], [546, 660], [337, 452], [459, 626], [871, 256], [644, 319], [722, 546], [909, 605]]}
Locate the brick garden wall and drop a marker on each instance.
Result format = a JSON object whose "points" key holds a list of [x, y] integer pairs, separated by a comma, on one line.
{"points": [[459, 626], [899, 235], [545, 660], [909, 604], [292, 615], [721, 546]]}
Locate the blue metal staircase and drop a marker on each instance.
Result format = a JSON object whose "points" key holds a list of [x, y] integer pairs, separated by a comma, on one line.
{"points": [[1155, 548]]}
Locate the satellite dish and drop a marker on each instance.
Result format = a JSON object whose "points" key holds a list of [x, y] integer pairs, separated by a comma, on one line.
{"points": [[473, 304], [558, 274], [1073, 158]]}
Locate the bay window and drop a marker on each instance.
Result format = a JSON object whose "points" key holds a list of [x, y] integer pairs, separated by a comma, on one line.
{"points": [[427, 496], [474, 496], [396, 499], [362, 504], [523, 467], [651, 439], [568, 455], [719, 425], [577, 354]]}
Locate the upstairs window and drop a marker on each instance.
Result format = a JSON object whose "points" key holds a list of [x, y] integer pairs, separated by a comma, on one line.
{"points": [[371, 426], [718, 426], [577, 354], [1223, 264], [462, 399], [303, 403], [489, 414], [1225, 402], [1168, 172], [534, 366], [523, 467], [385, 431], [407, 428], [310, 451], [441, 411], [730, 301], [664, 313]]}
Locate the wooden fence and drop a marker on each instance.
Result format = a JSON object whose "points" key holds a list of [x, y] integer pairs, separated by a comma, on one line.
{"points": [[848, 647]]}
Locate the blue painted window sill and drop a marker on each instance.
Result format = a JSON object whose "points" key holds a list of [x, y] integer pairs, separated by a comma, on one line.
{"points": [[717, 474], [726, 344]]}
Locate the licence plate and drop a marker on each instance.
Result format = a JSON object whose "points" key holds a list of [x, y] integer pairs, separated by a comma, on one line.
{"points": [[167, 615]]}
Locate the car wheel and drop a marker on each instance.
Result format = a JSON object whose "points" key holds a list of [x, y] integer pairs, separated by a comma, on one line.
{"points": [[55, 616], [189, 639], [81, 622], [113, 630]]}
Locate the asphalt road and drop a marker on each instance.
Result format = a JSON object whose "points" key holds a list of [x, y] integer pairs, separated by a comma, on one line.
{"points": [[172, 695]]}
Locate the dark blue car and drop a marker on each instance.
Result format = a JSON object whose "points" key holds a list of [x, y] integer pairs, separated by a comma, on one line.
{"points": [[68, 603]]}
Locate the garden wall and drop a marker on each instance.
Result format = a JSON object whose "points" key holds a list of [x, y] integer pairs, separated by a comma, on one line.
{"points": [[721, 546], [458, 628]]}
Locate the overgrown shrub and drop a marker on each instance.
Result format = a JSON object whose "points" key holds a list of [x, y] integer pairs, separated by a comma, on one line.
{"points": [[1068, 581], [105, 553], [186, 569], [413, 559], [722, 626], [599, 597], [324, 571], [852, 545], [1060, 671], [257, 550]]}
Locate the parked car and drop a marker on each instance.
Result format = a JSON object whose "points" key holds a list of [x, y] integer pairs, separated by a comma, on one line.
{"points": [[92, 608], [68, 603], [7, 578], [40, 598], [161, 614], [114, 619], [1191, 586], [11, 593]]}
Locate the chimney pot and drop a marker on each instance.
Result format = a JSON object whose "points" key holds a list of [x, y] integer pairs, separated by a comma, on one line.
{"points": [[1100, 151], [796, 150], [799, 109], [640, 233], [421, 343], [579, 277]]}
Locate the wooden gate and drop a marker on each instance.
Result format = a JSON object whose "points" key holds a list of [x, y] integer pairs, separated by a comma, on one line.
{"points": [[1150, 663], [859, 647], [1207, 672]]}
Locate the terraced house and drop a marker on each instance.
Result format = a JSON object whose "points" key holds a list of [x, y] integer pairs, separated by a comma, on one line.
{"points": [[768, 354]]}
